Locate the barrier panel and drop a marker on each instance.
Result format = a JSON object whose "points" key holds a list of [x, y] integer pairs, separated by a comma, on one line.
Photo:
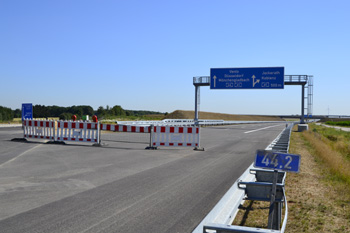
{"points": [[77, 131], [126, 128], [90, 132], [41, 129], [175, 136]]}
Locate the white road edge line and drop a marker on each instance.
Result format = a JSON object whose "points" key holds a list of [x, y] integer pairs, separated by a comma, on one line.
{"points": [[13, 159], [251, 131]]}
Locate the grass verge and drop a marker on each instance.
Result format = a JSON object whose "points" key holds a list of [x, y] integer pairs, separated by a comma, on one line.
{"points": [[319, 196], [339, 123]]}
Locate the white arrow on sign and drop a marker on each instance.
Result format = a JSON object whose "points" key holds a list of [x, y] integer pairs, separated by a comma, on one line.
{"points": [[255, 82], [214, 80]]}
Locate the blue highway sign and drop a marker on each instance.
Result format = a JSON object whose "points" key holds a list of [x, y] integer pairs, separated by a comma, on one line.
{"points": [[247, 78], [276, 160], [27, 111]]}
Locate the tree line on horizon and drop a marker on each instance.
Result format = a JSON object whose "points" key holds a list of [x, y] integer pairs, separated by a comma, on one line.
{"points": [[7, 114], [66, 113]]}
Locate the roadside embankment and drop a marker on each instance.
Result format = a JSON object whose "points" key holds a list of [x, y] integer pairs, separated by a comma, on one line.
{"points": [[181, 114], [319, 196]]}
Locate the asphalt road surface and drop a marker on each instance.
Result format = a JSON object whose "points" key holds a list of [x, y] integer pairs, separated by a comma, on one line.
{"points": [[121, 187]]}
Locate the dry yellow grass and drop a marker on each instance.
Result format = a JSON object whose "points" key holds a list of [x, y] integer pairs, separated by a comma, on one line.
{"points": [[316, 202], [334, 160], [253, 214], [181, 114]]}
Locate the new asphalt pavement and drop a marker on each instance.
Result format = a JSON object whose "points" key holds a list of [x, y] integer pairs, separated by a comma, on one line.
{"points": [[121, 187]]}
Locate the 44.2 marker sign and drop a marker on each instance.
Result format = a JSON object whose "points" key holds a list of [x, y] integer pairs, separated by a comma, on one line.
{"points": [[275, 160]]}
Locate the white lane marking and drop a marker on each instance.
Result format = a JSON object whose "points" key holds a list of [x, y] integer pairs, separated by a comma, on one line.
{"points": [[13, 159], [251, 131]]}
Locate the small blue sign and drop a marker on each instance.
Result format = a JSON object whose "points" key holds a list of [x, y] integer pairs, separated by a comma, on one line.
{"points": [[27, 111], [247, 78], [276, 160]]}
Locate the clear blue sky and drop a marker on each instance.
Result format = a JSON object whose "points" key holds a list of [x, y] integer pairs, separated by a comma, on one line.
{"points": [[143, 55]]}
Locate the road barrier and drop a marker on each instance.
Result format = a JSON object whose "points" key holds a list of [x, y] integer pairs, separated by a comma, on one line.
{"points": [[80, 131], [125, 128], [77, 131], [168, 133], [187, 122], [40, 129], [161, 135], [175, 136]]}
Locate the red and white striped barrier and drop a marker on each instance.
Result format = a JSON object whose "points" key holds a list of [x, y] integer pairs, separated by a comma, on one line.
{"points": [[175, 136], [90, 132], [41, 129], [125, 128], [77, 131]]}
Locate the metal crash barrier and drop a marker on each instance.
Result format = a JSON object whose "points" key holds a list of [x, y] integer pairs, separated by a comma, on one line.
{"points": [[255, 184], [260, 190]]}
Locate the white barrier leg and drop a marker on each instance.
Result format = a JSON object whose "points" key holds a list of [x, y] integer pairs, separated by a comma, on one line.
{"points": [[98, 135]]}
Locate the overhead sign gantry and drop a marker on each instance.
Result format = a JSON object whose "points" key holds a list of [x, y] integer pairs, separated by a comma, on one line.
{"points": [[247, 78], [254, 78]]}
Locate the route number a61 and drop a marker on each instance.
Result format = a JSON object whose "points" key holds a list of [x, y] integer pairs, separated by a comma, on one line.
{"points": [[276, 160]]}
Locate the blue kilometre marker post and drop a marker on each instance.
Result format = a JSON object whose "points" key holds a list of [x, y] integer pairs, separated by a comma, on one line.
{"points": [[275, 160], [278, 162]]}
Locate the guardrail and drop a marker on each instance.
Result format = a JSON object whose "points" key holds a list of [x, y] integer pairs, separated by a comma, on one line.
{"points": [[222, 215]]}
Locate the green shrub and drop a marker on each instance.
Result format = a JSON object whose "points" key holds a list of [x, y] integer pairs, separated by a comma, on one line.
{"points": [[66, 116], [6, 114]]}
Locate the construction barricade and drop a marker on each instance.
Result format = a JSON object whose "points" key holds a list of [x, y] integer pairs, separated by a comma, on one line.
{"points": [[175, 136], [40, 129], [78, 131], [126, 128]]}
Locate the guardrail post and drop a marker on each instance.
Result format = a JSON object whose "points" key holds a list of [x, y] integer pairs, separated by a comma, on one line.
{"points": [[273, 222]]}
